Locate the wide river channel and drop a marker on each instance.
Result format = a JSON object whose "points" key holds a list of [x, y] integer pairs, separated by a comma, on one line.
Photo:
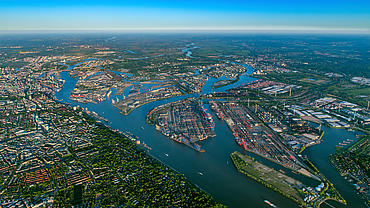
{"points": [[219, 177]]}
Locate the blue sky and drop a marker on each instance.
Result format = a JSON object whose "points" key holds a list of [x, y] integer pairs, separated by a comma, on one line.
{"points": [[351, 15]]}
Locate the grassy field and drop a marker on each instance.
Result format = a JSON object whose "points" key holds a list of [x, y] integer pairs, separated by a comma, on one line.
{"points": [[267, 176]]}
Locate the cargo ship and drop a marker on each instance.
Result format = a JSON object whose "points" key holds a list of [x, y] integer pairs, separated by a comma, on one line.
{"points": [[207, 116]]}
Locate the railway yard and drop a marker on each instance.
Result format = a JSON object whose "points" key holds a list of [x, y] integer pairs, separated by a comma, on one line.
{"points": [[274, 111], [253, 135]]}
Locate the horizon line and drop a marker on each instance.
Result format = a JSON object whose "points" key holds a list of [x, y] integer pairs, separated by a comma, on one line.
{"points": [[231, 29]]}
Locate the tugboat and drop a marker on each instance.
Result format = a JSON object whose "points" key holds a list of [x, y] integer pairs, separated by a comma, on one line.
{"points": [[269, 203]]}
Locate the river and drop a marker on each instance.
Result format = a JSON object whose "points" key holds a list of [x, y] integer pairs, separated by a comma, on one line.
{"points": [[220, 178]]}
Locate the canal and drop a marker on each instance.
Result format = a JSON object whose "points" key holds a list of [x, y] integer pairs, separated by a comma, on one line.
{"points": [[213, 170]]}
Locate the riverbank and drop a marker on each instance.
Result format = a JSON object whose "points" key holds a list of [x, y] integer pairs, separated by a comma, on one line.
{"points": [[289, 187], [352, 163], [219, 178], [267, 176]]}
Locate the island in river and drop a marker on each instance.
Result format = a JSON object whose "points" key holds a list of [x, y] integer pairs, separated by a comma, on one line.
{"points": [[269, 117]]}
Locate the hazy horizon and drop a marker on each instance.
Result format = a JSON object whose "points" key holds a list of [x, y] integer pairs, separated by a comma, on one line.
{"points": [[193, 31], [326, 16]]}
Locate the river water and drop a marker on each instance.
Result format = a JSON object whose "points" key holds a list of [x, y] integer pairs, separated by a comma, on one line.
{"points": [[220, 178]]}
